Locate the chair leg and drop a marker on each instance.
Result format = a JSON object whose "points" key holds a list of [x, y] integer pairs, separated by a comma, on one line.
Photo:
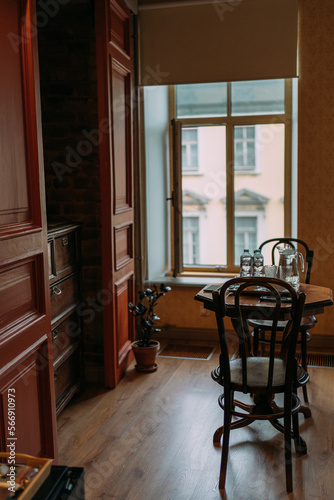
{"points": [[237, 424], [287, 442], [304, 359], [305, 410], [226, 438], [305, 394], [300, 445]]}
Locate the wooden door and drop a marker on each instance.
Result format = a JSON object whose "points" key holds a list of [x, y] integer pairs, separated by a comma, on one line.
{"points": [[114, 101], [27, 408]]}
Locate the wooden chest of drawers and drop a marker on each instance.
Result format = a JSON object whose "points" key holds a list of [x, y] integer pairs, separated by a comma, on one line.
{"points": [[65, 296]]}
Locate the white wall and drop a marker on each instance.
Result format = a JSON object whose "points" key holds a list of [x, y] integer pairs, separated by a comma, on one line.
{"points": [[157, 184]]}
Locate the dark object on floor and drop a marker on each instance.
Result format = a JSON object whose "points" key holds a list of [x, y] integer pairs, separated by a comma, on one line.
{"points": [[63, 483]]}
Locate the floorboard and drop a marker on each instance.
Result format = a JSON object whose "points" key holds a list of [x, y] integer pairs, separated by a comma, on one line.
{"points": [[151, 438]]}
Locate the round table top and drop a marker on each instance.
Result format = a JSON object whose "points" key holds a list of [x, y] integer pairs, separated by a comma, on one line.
{"points": [[317, 298]]}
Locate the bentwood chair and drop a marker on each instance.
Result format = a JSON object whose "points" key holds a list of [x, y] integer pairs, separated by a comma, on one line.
{"points": [[261, 377], [261, 328]]}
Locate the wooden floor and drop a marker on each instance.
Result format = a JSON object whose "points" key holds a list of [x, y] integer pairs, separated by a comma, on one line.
{"points": [[151, 439]]}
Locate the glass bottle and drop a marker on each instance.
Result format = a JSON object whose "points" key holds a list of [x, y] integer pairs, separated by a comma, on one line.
{"points": [[246, 263], [257, 263]]}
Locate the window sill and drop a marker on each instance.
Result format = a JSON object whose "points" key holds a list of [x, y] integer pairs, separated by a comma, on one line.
{"points": [[248, 172], [192, 172], [190, 281]]}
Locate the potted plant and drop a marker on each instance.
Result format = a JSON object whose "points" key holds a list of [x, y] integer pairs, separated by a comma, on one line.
{"points": [[144, 347]]}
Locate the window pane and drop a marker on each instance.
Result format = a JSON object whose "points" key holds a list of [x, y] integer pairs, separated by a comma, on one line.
{"points": [[189, 149], [189, 134], [244, 148], [193, 154], [250, 155], [250, 132], [238, 132], [191, 240], [257, 97], [202, 99], [245, 235], [259, 199], [204, 201]]}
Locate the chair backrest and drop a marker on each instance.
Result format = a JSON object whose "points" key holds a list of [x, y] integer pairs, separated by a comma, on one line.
{"points": [[293, 242], [236, 300]]}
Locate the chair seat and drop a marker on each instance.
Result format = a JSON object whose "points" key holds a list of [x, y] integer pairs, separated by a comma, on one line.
{"points": [[257, 369], [306, 323]]}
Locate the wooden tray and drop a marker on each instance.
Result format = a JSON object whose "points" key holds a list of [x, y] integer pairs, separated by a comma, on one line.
{"points": [[44, 465]]}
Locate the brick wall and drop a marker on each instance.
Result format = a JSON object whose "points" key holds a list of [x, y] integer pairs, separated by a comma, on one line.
{"points": [[69, 116]]}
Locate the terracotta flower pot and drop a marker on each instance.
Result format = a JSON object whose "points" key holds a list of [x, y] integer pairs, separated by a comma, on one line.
{"points": [[145, 356]]}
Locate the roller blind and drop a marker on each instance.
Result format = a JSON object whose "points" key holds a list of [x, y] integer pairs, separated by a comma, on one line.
{"points": [[211, 41]]}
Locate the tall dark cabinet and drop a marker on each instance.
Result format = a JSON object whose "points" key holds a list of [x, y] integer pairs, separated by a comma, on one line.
{"points": [[65, 296]]}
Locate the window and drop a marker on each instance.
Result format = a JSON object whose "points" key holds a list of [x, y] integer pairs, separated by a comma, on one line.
{"points": [[264, 97], [244, 149], [230, 169], [191, 240], [202, 99], [190, 149], [245, 235], [203, 194], [244, 181]]}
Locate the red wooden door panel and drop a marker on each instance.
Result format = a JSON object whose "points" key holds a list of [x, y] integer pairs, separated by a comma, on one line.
{"points": [[114, 93], [25, 364]]}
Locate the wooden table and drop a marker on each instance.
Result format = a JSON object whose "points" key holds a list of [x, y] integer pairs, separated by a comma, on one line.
{"points": [[317, 298]]}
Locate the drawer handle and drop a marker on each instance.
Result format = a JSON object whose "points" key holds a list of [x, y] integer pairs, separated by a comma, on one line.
{"points": [[55, 334], [65, 241], [56, 375], [56, 290]]}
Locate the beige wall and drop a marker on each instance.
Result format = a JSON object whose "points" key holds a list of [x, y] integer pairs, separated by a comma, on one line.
{"points": [[315, 166], [316, 143]]}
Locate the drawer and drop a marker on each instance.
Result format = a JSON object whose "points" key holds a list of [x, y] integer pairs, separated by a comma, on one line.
{"points": [[64, 295], [64, 335], [65, 253], [67, 374]]}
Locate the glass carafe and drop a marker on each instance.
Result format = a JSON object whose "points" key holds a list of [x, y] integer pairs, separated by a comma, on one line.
{"points": [[288, 265]]}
